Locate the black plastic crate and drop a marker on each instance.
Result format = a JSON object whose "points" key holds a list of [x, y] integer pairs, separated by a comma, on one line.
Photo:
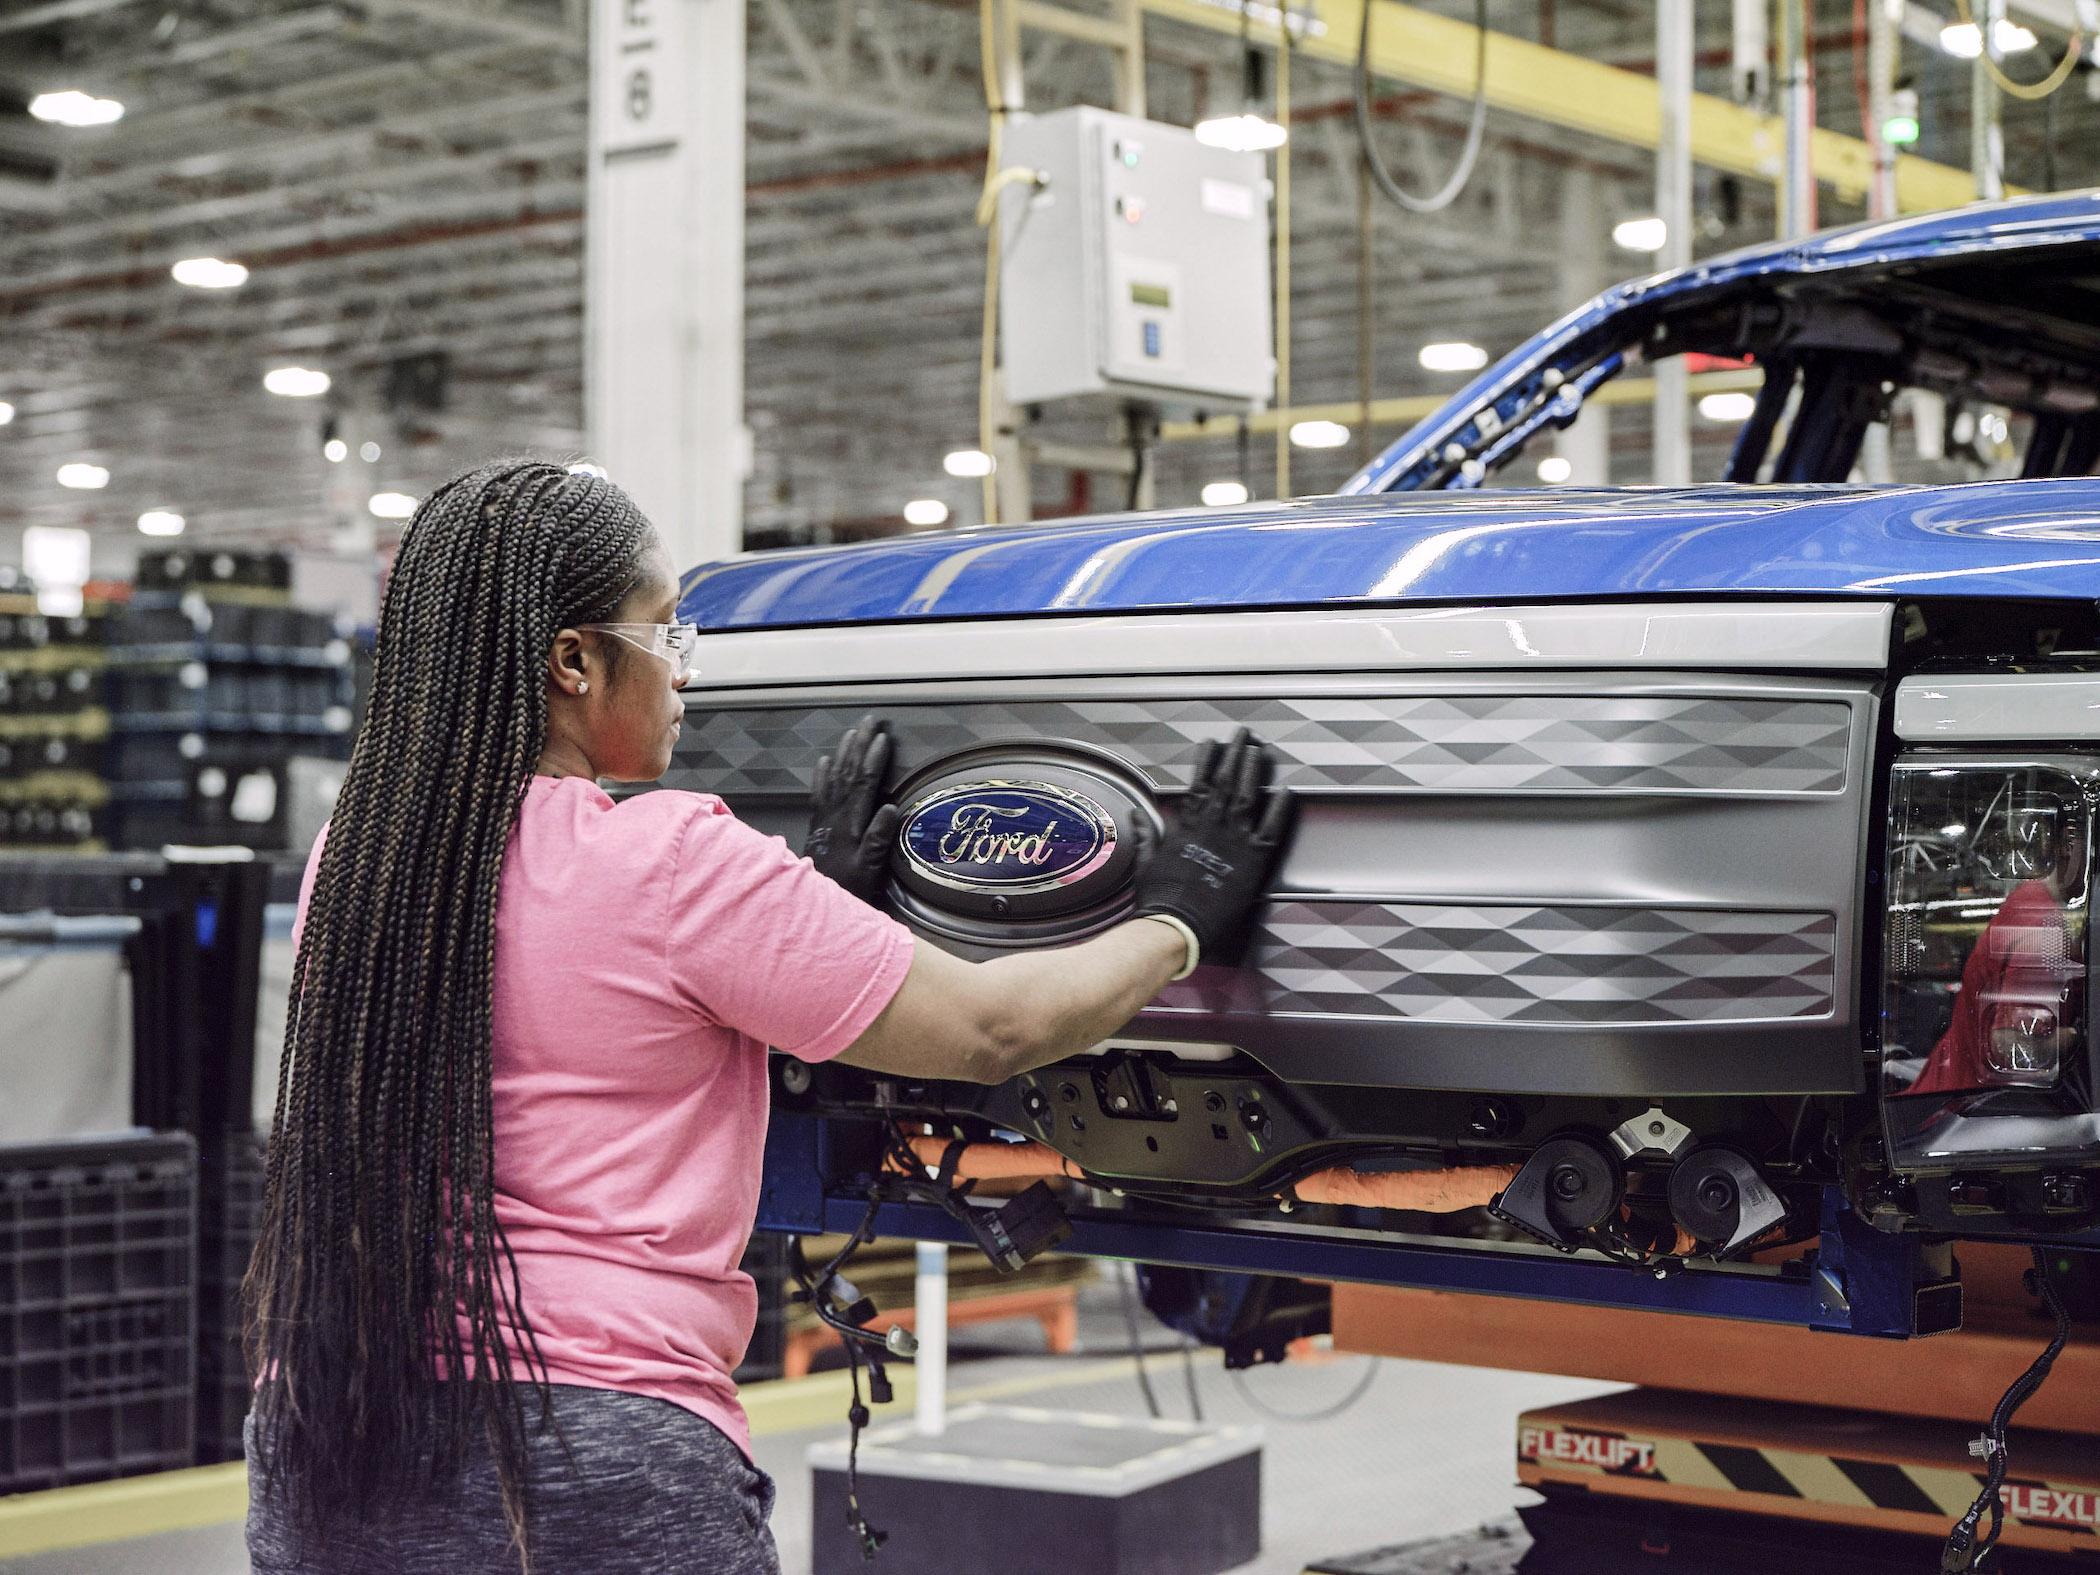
{"points": [[231, 1215], [98, 1306]]}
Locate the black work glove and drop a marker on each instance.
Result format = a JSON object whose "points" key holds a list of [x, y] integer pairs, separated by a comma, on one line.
{"points": [[850, 828], [1213, 864]]}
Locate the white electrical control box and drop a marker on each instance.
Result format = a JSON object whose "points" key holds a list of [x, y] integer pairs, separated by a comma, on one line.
{"points": [[1136, 267]]}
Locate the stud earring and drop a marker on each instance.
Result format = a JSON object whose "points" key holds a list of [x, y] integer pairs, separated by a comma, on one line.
{"points": [[583, 688]]}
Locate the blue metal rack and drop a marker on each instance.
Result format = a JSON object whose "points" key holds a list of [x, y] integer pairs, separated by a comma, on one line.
{"points": [[1861, 1281]]}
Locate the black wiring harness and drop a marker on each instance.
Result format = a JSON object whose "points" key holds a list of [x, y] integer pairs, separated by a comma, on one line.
{"points": [[1966, 1552], [1010, 1236], [840, 1307]]}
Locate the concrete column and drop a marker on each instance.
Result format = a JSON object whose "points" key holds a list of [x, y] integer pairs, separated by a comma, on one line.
{"points": [[1673, 201], [664, 266], [1581, 271]]}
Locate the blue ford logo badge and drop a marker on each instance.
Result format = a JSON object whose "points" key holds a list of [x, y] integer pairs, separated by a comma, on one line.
{"points": [[1010, 837]]}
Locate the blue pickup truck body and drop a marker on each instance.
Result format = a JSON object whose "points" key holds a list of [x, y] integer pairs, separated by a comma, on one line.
{"points": [[1974, 700]]}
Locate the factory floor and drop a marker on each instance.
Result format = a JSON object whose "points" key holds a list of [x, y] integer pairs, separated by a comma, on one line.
{"points": [[1425, 1453]]}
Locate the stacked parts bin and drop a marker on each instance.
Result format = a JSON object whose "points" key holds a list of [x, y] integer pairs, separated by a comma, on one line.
{"points": [[53, 724], [97, 1309], [221, 692], [230, 1210], [193, 959]]}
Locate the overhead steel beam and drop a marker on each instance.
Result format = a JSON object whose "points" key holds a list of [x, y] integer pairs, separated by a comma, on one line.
{"points": [[161, 129], [274, 154], [56, 11], [156, 224], [1425, 50], [252, 35], [488, 16]]}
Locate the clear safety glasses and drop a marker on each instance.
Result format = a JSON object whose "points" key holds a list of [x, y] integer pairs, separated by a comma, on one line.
{"points": [[675, 643]]}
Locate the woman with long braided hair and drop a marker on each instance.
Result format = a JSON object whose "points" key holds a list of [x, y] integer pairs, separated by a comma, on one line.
{"points": [[495, 1302]]}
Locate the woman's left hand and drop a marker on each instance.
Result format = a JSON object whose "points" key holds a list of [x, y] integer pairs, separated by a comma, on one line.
{"points": [[850, 828]]}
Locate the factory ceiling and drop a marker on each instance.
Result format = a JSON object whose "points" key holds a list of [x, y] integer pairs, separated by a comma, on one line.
{"points": [[404, 182]]}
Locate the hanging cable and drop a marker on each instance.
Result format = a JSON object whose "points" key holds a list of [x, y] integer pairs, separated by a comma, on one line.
{"points": [[1324, 1413], [1468, 156], [1188, 1372], [1965, 1551], [1137, 1342], [869, 1538], [818, 1288], [2057, 77]]}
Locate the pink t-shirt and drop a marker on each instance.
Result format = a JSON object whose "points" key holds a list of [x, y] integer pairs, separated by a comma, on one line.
{"points": [[647, 953]]}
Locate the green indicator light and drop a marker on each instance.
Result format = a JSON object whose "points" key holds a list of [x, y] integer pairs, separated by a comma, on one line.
{"points": [[1900, 130]]}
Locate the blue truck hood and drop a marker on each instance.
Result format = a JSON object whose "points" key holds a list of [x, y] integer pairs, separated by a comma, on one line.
{"points": [[2004, 538]]}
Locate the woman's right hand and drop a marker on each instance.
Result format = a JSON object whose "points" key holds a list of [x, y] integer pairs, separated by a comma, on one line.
{"points": [[850, 828], [1214, 862]]}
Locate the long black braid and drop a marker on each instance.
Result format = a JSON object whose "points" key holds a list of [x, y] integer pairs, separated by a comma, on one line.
{"points": [[382, 1304]]}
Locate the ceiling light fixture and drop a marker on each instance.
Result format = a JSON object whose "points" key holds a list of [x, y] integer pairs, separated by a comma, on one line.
{"points": [[55, 557], [296, 382], [71, 107], [7, 412], [1964, 40], [1319, 434], [926, 511], [392, 505], [1223, 494], [1453, 356], [161, 522], [1647, 233], [83, 477], [1554, 469], [209, 273], [968, 462], [1248, 133], [1731, 406], [335, 451]]}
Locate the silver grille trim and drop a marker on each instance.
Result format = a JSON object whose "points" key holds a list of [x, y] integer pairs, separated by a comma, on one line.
{"points": [[1495, 742], [1477, 963]]}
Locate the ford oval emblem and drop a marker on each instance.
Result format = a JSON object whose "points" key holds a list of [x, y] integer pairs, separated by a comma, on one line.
{"points": [[1010, 837]]}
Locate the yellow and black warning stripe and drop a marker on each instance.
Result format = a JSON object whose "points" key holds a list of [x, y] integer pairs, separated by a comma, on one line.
{"points": [[1891, 1473]]}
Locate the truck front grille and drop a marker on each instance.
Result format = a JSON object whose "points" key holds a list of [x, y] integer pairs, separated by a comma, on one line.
{"points": [[1582, 882]]}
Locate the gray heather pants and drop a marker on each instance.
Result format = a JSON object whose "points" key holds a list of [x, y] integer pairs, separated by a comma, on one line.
{"points": [[655, 1490]]}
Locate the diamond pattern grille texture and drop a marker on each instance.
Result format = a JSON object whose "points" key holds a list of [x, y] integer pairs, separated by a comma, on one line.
{"points": [[1483, 743], [1521, 964]]}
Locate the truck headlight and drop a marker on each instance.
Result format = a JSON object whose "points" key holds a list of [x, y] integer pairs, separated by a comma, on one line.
{"points": [[1986, 1054]]}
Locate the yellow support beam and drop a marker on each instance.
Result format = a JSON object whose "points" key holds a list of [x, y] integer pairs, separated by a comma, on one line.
{"points": [[1407, 410], [1425, 50]]}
